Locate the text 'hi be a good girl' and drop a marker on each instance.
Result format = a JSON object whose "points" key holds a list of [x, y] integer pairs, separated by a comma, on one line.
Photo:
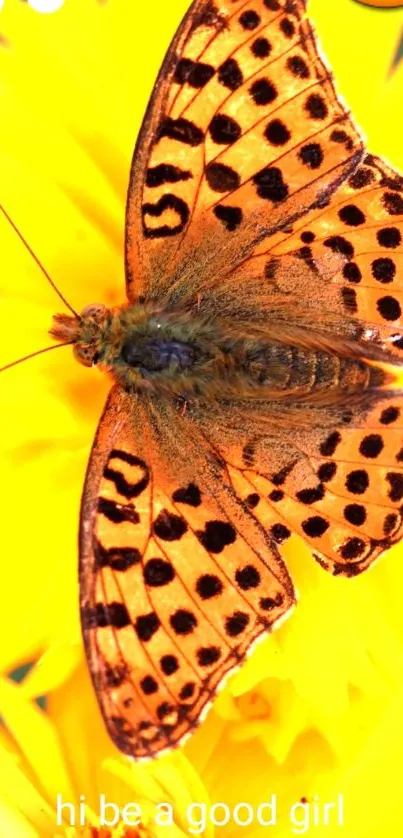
{"points": [[303, 816]]}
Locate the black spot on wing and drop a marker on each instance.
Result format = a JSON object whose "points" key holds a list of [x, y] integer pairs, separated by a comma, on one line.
{"points": [[127, 457], [103, 614], [357, 481], [393, 203], [208, 586], [349, 299], [316, 107], [263, 91], [351, 272], [390, 523], [315, 526], [327, 471], [277, 133], [270, 184], [280, 533], [249, 19], [389, 415], [146, 625], [352, 548], [276, 495], [389, 237], [268, 603], [118, 513], [207, 655], [361, 178], [149, 685], [230, 217], [311, 155], [194, 73], [187, 691], [222, 178], [230, 75], [224, 130], [355, 514], [395, 480], [114, 676], [182, 130], [158, 572], [351, 215], [308, 496], [280, 476], [169, 664], [216, 535], [307, 237], [247, 577], [169, 527], [166, 202], [183, 621], [236, 623], [329, 445], [371, 446], [339, 136], [287, 27], [166, 173], [383, 269], [252, 500], [117, 558], [338, 244], [189, 494], [298, 67], [261, 48], [210, 16], [389, 308], [305, 253], [123, 486]]}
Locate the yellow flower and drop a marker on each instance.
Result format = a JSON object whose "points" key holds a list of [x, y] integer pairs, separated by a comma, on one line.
{"points": [[315, 712], [60, 776]]}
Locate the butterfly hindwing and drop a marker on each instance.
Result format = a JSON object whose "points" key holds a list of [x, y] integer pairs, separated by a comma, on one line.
{"points": [[330, 474], [178, 579], [244, 132]]}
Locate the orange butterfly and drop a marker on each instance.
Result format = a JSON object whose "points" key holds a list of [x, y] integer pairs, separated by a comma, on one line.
{"points": [[263, 259]]}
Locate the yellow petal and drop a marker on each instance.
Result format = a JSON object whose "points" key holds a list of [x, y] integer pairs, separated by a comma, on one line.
{"points": [[18, 793], [53, 668], [37, 739], [13, 822]]}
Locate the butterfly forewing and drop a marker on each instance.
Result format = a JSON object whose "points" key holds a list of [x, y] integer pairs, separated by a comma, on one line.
{"points": [[244, 133]]}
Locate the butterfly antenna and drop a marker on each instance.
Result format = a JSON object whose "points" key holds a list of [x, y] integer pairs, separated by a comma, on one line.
{"points": [[33, 354], [40, 266]]}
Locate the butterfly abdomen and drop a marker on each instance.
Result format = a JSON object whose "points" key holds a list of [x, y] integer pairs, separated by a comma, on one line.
{"points": [[288, 367]]}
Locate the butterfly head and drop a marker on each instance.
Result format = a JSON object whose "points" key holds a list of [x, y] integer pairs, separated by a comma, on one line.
{"points": [[85, 332]]}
